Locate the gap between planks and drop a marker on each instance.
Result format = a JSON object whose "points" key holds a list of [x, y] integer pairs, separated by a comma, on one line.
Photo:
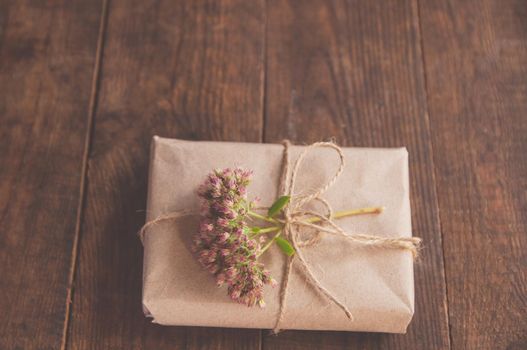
{"points": [[84, 169], [263, 100], [436, 189]]}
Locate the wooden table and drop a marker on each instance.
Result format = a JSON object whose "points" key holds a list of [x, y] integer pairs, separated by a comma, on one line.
{"points": [[84, 84]]}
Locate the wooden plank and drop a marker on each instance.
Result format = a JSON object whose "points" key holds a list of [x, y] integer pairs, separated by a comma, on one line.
{"points": [[47, 54], [353, 70], [475, 54], [181, 69]]}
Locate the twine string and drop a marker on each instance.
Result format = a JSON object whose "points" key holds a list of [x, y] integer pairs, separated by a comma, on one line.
{"points": [[161, 218]]}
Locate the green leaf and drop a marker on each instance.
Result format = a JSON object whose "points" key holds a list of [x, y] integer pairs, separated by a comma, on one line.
{"points": [[286, 247], [278, 205]]}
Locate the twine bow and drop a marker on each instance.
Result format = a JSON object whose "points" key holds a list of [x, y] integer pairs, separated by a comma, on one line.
{"points": [[295, 216]]}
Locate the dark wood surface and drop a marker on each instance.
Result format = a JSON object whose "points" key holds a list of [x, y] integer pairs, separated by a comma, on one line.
{"points": [[47, 57], [85, 84], [477, 97]]}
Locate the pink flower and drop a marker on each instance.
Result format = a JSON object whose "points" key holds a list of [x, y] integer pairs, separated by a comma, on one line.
{"points": [[220, 279], [223, 237], [222, 222], [206, 226], [221, 245]]}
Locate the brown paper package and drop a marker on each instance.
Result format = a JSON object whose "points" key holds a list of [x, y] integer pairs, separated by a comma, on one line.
{"points": [[375, 283]]}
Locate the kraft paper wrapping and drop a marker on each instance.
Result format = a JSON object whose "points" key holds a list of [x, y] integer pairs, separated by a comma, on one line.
{"points": [[375, 283]]}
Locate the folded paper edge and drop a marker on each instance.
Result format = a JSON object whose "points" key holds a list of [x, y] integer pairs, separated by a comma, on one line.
{"points": [[146, 311], [153, 142]]}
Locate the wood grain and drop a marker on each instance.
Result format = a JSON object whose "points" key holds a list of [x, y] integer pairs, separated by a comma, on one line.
{"points": [[475, 54], [47, 54], [183, 69], [447, 79], [353, 70]]}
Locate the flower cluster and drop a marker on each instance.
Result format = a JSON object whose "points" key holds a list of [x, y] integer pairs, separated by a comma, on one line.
{"points": [[223, 244]]}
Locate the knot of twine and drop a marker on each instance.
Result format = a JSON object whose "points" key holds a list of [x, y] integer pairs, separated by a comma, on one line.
{"points": [[295, 216]]}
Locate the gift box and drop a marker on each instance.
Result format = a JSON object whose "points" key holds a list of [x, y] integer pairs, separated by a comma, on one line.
{"points": [[375, 284]]}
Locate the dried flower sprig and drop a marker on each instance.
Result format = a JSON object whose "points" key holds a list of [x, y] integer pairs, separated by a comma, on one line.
{"points": [[223, 244], [228, 247]]}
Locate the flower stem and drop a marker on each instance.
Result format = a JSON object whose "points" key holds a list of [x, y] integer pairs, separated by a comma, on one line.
{"points": [[337, 215], [261, 217], [346, 213], [267, 230], [269, 243]]}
